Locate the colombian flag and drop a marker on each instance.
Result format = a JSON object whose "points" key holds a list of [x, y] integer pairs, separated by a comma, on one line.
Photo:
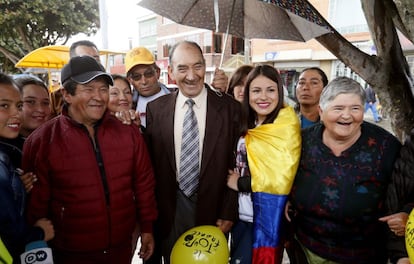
{"points": [[273, 152]]}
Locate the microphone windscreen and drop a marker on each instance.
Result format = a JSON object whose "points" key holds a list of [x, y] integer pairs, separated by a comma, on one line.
{"points": [[36, 244]]}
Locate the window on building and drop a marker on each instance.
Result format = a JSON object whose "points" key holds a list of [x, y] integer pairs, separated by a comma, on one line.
{"points": [[166, 46], [289, 78], [217, 37], [237, 45], [342, 70], [148, 28], [111, 60], [213, 42], [166, 49]]}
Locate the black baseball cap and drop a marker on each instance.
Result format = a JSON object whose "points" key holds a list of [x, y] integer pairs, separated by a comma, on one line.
{"points": [[83, 69]]}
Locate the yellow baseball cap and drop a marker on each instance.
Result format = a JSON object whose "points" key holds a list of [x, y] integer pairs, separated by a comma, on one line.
{"points": [[137, 56]]}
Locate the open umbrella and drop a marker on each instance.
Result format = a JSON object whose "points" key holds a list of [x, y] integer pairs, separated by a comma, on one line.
{"points": [[294, 20]]}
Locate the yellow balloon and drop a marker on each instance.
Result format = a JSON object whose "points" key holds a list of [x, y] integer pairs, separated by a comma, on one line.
{"points": [[409, 236], [201, 244]]}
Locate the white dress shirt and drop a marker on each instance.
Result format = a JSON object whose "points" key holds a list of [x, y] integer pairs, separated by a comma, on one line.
{"points": [[200, 110]]}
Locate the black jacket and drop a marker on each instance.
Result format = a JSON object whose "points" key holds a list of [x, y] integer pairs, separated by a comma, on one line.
{"points": [[400, 194]]}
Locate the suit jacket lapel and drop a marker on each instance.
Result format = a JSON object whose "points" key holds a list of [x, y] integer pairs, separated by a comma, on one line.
{"points": [[214, 123], [168, 126]]}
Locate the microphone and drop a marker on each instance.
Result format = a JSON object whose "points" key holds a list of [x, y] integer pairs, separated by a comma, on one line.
{"points": [[37, 252]]}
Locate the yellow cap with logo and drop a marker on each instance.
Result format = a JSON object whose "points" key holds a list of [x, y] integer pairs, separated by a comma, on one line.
{"points": [[137, 56]]}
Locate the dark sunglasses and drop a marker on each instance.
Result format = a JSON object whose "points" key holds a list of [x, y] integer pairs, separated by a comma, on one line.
{"points": [[137, 76]]}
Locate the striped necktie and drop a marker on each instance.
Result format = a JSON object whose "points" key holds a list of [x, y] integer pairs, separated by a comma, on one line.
{"points": [[189, 160]]}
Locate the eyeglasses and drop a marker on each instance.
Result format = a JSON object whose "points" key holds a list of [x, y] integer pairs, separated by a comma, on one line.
{"points": [[137, 76]]}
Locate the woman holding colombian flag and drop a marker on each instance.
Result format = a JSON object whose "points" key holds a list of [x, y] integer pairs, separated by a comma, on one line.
{"points": [[267, 157]]}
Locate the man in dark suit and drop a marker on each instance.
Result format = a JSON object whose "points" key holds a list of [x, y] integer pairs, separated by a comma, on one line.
{"points": [[218, 118]]}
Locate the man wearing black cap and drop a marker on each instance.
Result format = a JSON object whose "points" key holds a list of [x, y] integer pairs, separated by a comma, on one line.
{"points": [[95, 179]]}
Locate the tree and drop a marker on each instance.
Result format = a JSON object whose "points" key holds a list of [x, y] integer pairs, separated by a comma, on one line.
{"points": [[28, 25], [387, 72]]}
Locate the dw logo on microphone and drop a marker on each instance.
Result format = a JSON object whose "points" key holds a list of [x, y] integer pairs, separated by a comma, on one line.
{"points": [[38, 256], [37, 253]]}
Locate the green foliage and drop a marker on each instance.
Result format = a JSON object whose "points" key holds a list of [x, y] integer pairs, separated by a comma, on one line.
{"points": [[28, 25]]}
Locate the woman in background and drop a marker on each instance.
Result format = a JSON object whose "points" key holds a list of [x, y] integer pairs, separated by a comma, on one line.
{"points": [[120, 94], [36, 110], [36, 103], [120, 100], [238, 81]]}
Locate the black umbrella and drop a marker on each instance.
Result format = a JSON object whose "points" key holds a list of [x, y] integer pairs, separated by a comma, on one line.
{"points": [[294, 20]]}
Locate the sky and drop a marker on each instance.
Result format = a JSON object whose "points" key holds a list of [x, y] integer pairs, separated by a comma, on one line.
{"points": [[121, 23]]}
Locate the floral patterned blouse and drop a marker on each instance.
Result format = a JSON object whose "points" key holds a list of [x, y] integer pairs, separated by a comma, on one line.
{"points": [[339, 199]]}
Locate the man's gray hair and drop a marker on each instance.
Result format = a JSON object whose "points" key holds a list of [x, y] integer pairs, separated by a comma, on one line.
{"points": [[188, 42]]}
